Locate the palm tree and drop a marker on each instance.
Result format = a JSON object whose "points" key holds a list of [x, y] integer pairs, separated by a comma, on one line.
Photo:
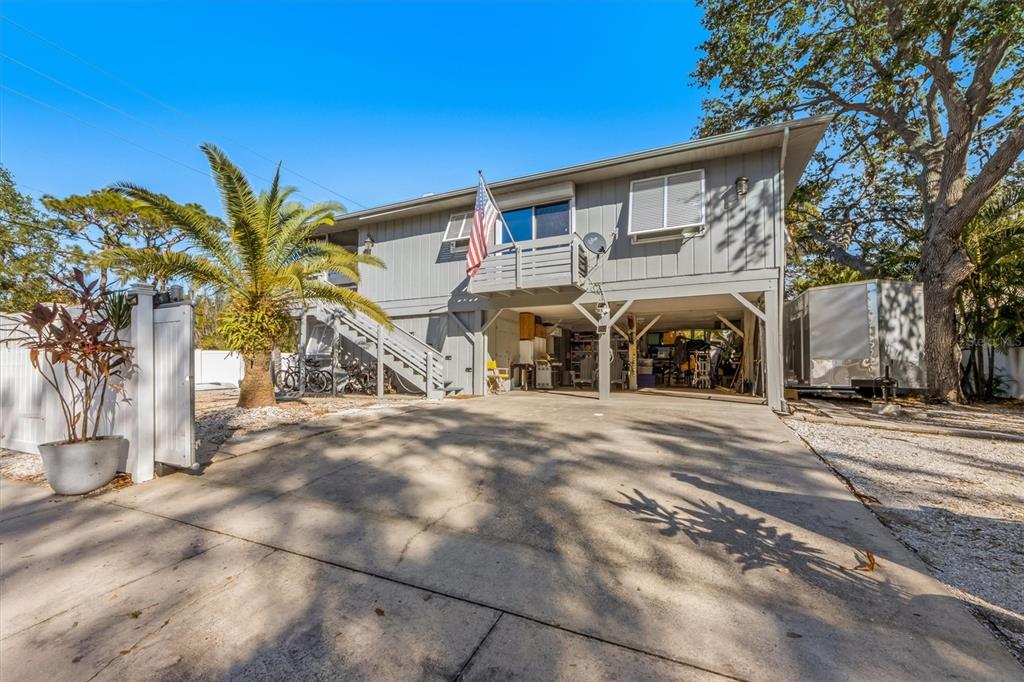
{"points": [[989, 302], [265, 261]]}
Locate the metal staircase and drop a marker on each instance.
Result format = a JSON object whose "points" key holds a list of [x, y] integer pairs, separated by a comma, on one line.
{"points": [[408, 357]]}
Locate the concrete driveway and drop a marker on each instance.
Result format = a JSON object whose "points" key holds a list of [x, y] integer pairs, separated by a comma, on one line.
{"points": [[527, 536]]}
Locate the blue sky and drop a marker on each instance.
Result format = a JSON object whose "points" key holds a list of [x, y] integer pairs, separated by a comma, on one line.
{"points": [[378, 102]]}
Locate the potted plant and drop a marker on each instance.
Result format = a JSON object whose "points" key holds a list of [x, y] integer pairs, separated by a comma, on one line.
{"points": [[77, 350]]}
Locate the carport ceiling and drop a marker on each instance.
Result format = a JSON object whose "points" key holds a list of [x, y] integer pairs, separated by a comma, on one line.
{"points": [[692, 312]]}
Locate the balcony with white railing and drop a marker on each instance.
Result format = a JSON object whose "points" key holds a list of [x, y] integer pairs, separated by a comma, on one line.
{"points": [[553, 263]]}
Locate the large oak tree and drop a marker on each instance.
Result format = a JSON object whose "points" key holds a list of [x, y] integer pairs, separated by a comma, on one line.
{"points": [[932, 89]]}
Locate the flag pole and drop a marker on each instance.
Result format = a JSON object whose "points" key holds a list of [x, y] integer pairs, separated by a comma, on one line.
{"points": [[493, 201]]}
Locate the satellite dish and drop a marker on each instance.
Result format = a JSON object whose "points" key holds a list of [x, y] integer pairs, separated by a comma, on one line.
{"points": [[595, 243]]}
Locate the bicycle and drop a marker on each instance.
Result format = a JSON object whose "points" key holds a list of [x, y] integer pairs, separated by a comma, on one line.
{"points": [[362, 380], [355, 381], [317, 380], [370, 386]]}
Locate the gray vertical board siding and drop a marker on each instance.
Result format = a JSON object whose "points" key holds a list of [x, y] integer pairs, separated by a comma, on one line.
{"points": [[440, 333], [771, 199], [460, 348], [371, 280], [321, 338], [765, 193], [740, 232], [458, 369], [353, 352], [417, 263]]}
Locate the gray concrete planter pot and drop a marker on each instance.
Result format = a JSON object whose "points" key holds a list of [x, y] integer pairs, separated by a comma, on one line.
{"points": [[77, 468]]}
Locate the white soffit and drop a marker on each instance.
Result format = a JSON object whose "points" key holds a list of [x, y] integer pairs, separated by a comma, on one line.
{"points": [[546, 194]]}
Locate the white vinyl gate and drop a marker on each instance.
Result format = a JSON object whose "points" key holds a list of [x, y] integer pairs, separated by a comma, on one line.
{"points": [[174, 418], [158, 418]]}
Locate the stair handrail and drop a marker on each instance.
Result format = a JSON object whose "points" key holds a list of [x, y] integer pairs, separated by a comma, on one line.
{"points": [[425, 347], [401, 334], [398, 339]]}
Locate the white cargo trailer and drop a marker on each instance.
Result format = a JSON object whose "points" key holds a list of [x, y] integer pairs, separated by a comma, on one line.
{"points": [[846, 335]]}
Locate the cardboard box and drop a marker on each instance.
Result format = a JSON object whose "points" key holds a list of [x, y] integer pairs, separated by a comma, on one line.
{"points": [[526, 326]]}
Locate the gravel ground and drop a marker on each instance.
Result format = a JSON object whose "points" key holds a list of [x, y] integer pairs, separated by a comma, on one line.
{"points": [[217, 418], [957, 502], [1005, 416], [21, 466]]}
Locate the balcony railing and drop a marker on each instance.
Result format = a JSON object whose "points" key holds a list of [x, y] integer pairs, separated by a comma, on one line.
{"points": [[549, 263]]}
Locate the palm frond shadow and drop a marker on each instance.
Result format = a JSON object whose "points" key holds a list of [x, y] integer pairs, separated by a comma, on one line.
{"points": [[749, 540]]}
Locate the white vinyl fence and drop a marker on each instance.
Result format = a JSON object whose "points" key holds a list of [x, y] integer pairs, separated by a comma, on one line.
{"points": [[29, 414], [158, 417], [218, 367], [1010, 367]]}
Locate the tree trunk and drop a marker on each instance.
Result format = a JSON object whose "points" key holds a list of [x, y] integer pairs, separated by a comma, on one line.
{"points": [[257, 389], [941, 350], [944, 266]]}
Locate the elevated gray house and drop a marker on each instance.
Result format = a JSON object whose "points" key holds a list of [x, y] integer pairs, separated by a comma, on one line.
{"points": [[696, 240]]}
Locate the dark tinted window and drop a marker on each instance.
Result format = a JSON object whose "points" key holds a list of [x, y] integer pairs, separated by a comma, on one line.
{"points": [[520, 224], [552, 220]]}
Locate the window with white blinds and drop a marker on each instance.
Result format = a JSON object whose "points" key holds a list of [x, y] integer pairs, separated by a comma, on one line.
{"points": [[459, 227], [666, 203]]}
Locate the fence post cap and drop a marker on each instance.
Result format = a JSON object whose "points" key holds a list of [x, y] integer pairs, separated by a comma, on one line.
{"points": [[141, 288]]}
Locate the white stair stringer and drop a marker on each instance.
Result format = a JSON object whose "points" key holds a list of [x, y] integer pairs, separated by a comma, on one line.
{"points": [[404, 354]]}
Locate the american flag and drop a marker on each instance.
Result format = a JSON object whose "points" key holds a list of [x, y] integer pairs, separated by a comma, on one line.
{"points": [[485, 215]]}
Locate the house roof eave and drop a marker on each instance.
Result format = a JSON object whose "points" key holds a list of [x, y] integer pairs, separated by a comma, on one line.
{"points": [[804, 136]]}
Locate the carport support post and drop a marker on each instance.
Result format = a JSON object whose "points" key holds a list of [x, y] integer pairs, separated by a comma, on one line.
{"points": [[380, 361], [773, 350], [604, 324], [142, 452], [633, 355], [604, 358], [480, 354], [480, 348], [749, 332], [604, 347]]}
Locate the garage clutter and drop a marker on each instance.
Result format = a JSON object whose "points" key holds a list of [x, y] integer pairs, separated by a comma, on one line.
{"points": [[550, 356]]}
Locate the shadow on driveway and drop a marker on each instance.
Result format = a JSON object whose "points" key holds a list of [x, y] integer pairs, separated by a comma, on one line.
{"points": [[635, 538]]}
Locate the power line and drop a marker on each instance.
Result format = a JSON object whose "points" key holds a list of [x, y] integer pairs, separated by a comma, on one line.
{"points": [[56, 231], [30, 188], [165, 105], [35, 226], [117, 110], [46, 105], [92, 98]]}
